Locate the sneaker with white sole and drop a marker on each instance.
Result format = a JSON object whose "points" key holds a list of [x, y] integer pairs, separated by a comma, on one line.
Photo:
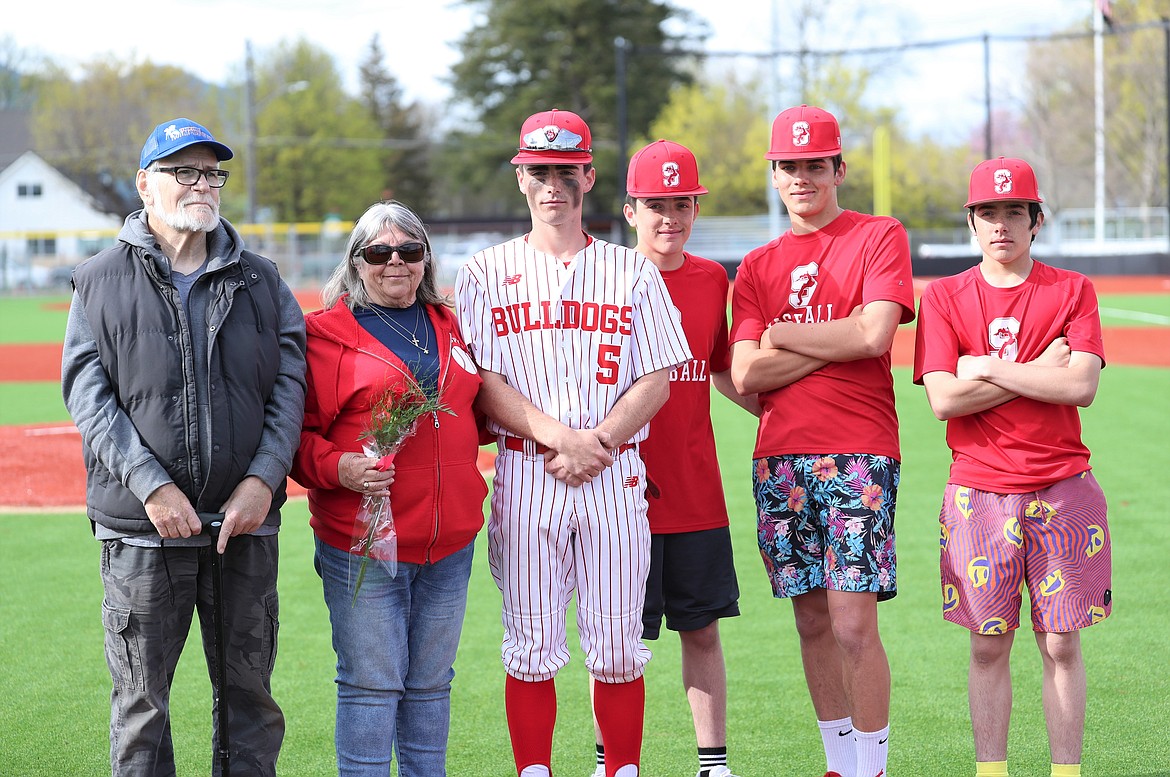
{"points": [[599, 771], [717, 771]]}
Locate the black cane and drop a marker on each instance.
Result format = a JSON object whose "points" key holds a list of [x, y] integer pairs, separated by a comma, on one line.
{"points": [[212, 522]]}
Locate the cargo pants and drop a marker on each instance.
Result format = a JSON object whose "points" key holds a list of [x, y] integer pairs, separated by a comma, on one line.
{"points": [[151, 595]]}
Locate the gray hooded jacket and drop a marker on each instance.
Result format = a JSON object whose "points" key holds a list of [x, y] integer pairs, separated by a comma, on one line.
{"points": [[201, 400]]}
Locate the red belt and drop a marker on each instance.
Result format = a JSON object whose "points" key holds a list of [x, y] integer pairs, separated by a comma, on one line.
{"points": [[518, 444]]}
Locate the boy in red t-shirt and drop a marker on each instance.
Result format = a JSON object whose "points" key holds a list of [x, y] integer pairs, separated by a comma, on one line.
{"points": [[813, 318], [692, 574], [1007, 351]]}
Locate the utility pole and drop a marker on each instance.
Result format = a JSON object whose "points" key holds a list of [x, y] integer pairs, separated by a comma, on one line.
{"points": [[1099, 129], [250, 131], [622, 46], [770, 193]]}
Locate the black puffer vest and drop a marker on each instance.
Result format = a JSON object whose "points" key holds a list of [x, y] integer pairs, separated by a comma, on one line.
{"points": [[149, 357]]}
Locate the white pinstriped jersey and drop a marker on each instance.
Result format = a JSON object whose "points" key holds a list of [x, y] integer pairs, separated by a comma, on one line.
{"points": [[572, 339]]}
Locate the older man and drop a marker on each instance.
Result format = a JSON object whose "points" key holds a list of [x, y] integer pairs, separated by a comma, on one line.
{"points": [[183, 368]]}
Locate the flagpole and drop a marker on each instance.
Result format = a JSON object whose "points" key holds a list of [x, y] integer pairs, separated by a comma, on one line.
{"points": [[1099, 130]]}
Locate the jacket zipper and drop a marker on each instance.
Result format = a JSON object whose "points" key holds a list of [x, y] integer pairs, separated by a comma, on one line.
{"points": [[443, 372]]}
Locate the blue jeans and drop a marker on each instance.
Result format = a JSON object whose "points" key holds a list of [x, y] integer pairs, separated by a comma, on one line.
{"points": [[395, 654]]}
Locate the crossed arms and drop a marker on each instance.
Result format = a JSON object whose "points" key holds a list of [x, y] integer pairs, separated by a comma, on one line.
{"points": [[1059, 376], [788, 351]]}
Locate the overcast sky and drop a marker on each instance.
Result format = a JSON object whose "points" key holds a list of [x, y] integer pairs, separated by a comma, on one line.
{"points": [[941, 91]]}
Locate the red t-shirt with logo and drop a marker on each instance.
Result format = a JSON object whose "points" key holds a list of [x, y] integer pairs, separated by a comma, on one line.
{"points": [[685, 491], [844, 407], [1022, 444]]}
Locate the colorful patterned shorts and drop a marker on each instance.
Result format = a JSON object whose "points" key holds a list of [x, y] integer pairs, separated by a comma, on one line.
{"points": [[1055, 541], [827, 521]]}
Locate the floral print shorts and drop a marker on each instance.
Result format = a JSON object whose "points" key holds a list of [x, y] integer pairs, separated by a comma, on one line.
{"points": [[827, 521]]}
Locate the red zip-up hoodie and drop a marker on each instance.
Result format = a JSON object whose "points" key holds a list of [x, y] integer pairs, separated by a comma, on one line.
{"points": [[438, 492]]}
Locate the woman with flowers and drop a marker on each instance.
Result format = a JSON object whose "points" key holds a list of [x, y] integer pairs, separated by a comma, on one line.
{"points": [[388, 453]]}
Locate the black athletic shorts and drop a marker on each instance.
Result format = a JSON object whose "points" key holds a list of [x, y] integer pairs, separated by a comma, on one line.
{"points": [[692, 581]]}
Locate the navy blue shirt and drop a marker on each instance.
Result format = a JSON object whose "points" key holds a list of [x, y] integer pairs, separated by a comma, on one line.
{"points": [[409, 323]]}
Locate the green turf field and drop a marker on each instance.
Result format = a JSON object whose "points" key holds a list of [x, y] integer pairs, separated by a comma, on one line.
{"points": [[55, 685], [33, 319], [1134, 309], [41, 319]]}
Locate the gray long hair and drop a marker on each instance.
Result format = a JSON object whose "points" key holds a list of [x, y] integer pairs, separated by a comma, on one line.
{"points": [[379, 217]]}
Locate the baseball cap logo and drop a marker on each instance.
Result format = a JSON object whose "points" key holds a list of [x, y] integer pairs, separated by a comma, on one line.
{"points": [[1003, 181], [801, 136], [552, 138], [174, 133], [670, 175]]}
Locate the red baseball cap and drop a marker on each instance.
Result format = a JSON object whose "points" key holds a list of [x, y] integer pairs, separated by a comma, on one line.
{"points": [[804, 132], [554, 138], [1002, 179], [663, 169]]}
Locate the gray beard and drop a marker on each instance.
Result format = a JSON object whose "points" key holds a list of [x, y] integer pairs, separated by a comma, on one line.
{"points": [[181, 220]]}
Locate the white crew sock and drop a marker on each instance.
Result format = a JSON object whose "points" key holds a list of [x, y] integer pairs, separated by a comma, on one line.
{"points": [[840, 750], [872, 750]]}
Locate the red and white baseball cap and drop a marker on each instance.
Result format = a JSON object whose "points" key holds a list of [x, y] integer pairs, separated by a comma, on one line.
{"points": [[554, 138], [663, 169], [804, 132], [1002, 179]]}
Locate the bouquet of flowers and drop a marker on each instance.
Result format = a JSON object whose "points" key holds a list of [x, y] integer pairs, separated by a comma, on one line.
{"points": [[394, 416]]}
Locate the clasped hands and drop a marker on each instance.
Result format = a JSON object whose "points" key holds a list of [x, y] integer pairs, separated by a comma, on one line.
{"points": [[579, 456]]}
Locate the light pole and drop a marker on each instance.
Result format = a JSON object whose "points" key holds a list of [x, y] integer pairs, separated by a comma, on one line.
{"points": [[250, 132], [250, 111]]}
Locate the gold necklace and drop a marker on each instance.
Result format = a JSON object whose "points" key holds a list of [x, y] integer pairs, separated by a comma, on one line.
{"points": [[412, 335]]}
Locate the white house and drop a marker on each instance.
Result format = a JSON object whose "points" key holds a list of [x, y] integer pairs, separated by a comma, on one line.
{"points": [[46, 222]]}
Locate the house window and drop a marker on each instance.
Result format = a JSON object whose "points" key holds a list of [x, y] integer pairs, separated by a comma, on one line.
{"points": [[28, 190], [42, 246]]}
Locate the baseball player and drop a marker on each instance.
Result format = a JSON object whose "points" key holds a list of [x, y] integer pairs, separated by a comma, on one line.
{"points": [[575, 338], [1007, 351], [813, 317], [692, 575]]}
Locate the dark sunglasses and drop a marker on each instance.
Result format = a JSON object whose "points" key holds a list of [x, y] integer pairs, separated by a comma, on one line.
{"points": [[380, 253]]}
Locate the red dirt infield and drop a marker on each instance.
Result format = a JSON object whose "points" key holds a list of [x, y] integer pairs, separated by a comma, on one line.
{"points": [[41, 467]]}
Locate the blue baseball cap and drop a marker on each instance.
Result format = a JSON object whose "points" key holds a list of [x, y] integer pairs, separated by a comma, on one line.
{"points": [[176, 134]]}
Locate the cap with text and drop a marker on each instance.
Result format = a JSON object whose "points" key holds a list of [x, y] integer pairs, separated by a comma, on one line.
{"points": [[175, 135], [804, 132], [663, 169], [554, 137], [1003, 178]]}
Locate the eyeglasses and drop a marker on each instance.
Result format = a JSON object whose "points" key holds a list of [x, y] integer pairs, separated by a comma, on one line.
{"points": [[380, 253], [189, 176]]}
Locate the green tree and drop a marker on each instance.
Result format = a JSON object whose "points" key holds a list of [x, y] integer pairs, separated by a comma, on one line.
{"points": [[1059, 110], [724, 121], [725, 124], [17, 88], [524, 56], [929, 182], [318, 150], [92, 129], [406, 158]]}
